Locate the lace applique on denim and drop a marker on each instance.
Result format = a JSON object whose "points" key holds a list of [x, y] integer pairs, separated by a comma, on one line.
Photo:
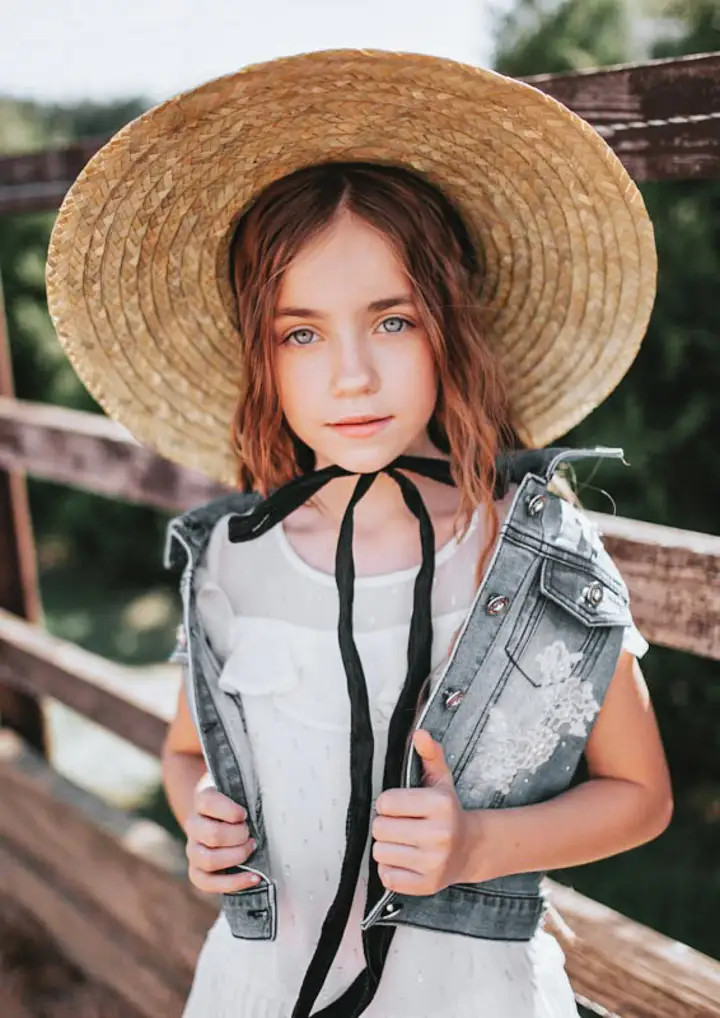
{"points": [[556, 662], [565, 705]]}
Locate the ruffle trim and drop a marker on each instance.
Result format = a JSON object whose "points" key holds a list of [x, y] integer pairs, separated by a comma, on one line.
{"points": [[302, 668]]}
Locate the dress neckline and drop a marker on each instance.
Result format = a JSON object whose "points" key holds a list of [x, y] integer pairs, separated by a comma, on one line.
{"points": [[398, 576]]}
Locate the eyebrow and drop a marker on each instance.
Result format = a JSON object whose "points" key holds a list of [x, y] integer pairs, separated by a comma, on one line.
{"points": [[376, 305]]}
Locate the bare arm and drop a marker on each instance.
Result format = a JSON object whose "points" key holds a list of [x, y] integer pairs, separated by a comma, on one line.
{"points": [[182, 761], [627, 800]]}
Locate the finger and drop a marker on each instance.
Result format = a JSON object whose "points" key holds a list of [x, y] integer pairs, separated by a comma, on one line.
{"points": [[216, 833], [400, 856], [226, 883], [212, 860], [399, 830], [405, 802], [404, 881], [435, 768], [211, 803]]}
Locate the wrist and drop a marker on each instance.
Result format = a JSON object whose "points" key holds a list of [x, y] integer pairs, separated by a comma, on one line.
{"points": [[482, 840]]}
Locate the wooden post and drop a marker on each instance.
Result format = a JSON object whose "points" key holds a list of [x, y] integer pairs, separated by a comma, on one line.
{"points": [[19, 711]]}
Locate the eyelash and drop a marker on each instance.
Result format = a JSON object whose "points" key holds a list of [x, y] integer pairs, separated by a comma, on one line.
{"points": [[390, 318]]}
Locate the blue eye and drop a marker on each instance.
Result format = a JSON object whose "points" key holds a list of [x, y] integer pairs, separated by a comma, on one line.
{"points": [[301, 337], [395, 324]]}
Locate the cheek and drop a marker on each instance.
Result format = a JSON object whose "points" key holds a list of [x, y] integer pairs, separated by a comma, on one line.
{"points": [[416, 378], [300, 384]]}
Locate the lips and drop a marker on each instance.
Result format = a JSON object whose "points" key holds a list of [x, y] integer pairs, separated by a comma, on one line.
{"points": [[360, 419], [362, 426]]}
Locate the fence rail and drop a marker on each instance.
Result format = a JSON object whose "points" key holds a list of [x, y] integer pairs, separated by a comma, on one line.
{"points": [[33, 660], [662, 117]]}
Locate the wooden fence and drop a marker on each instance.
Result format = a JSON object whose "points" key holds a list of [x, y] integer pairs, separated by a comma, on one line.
{"points": [[112, 889]]}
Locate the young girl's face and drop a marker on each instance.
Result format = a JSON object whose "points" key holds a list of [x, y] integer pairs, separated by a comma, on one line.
{"points": [[356, 376]]}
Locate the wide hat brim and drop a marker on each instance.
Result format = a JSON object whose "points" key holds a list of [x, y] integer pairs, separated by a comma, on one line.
{"points": [[138, 280]]}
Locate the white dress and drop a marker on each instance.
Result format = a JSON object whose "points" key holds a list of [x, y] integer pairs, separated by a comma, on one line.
{"points": [[272, 618]]}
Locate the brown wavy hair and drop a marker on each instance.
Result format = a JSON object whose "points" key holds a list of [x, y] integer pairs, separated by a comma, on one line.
{"points": [[428, 234]]}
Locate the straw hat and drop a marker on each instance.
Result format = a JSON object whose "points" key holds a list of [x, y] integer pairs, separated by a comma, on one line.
{"points": [[138, 264]]}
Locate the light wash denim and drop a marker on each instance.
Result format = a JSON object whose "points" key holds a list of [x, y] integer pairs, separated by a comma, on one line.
{"points": [[513, 709]]}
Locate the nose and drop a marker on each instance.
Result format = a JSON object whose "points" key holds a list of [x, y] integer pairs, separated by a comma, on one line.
{"points": [[355, 372]]}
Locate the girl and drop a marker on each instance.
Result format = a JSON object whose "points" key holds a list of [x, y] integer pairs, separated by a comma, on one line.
{"points": [[375, 739]]}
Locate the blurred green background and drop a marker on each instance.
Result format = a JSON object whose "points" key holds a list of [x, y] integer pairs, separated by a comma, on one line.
{"points": [[102, 581]]}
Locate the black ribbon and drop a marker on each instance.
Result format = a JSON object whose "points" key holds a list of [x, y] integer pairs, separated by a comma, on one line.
{"points": [[274, 509]]}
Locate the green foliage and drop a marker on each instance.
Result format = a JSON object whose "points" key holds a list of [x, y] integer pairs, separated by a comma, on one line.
{"points": [[697, 28], [90, 119], [21, 127], [41, 370], [26, 126], [665, 412], [546, 37]]}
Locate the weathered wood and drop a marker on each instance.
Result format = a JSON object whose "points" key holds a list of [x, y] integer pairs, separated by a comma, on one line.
{"points": [[96, 946], [115, 897], [37, 978], [45, 665], [90, 451], [18, 577], [673, 579], [629, 969], [685, 86], [662, 117]]}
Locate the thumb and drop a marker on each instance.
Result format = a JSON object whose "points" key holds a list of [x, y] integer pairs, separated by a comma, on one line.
{"points": [[435, 768]]}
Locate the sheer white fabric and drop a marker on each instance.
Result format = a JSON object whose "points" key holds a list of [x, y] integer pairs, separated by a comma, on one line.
{"points": [[272, 618]]}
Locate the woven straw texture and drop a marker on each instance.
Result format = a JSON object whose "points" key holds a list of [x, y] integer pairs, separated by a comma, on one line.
{"points": [[138, 261]]}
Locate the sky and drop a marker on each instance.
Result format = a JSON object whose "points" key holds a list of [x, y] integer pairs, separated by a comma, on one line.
{"points": [[69, 50]]}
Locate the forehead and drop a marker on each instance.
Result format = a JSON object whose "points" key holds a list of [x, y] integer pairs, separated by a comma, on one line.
{"points": [[349, 260]]}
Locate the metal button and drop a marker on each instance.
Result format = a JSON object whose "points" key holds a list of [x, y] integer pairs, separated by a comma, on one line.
{"points": [[497, 604], [594, 594], [453, 697], [536, 505], [391, 910]]}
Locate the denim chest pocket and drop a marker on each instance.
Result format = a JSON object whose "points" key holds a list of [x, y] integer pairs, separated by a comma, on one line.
{"points": [[557, 636], [547, 700]]}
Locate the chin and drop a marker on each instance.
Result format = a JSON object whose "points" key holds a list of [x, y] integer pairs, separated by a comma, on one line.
{"points": [[363, 458]]}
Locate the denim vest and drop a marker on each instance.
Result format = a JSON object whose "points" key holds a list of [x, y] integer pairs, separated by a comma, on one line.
{"points": [[513, 708]]}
